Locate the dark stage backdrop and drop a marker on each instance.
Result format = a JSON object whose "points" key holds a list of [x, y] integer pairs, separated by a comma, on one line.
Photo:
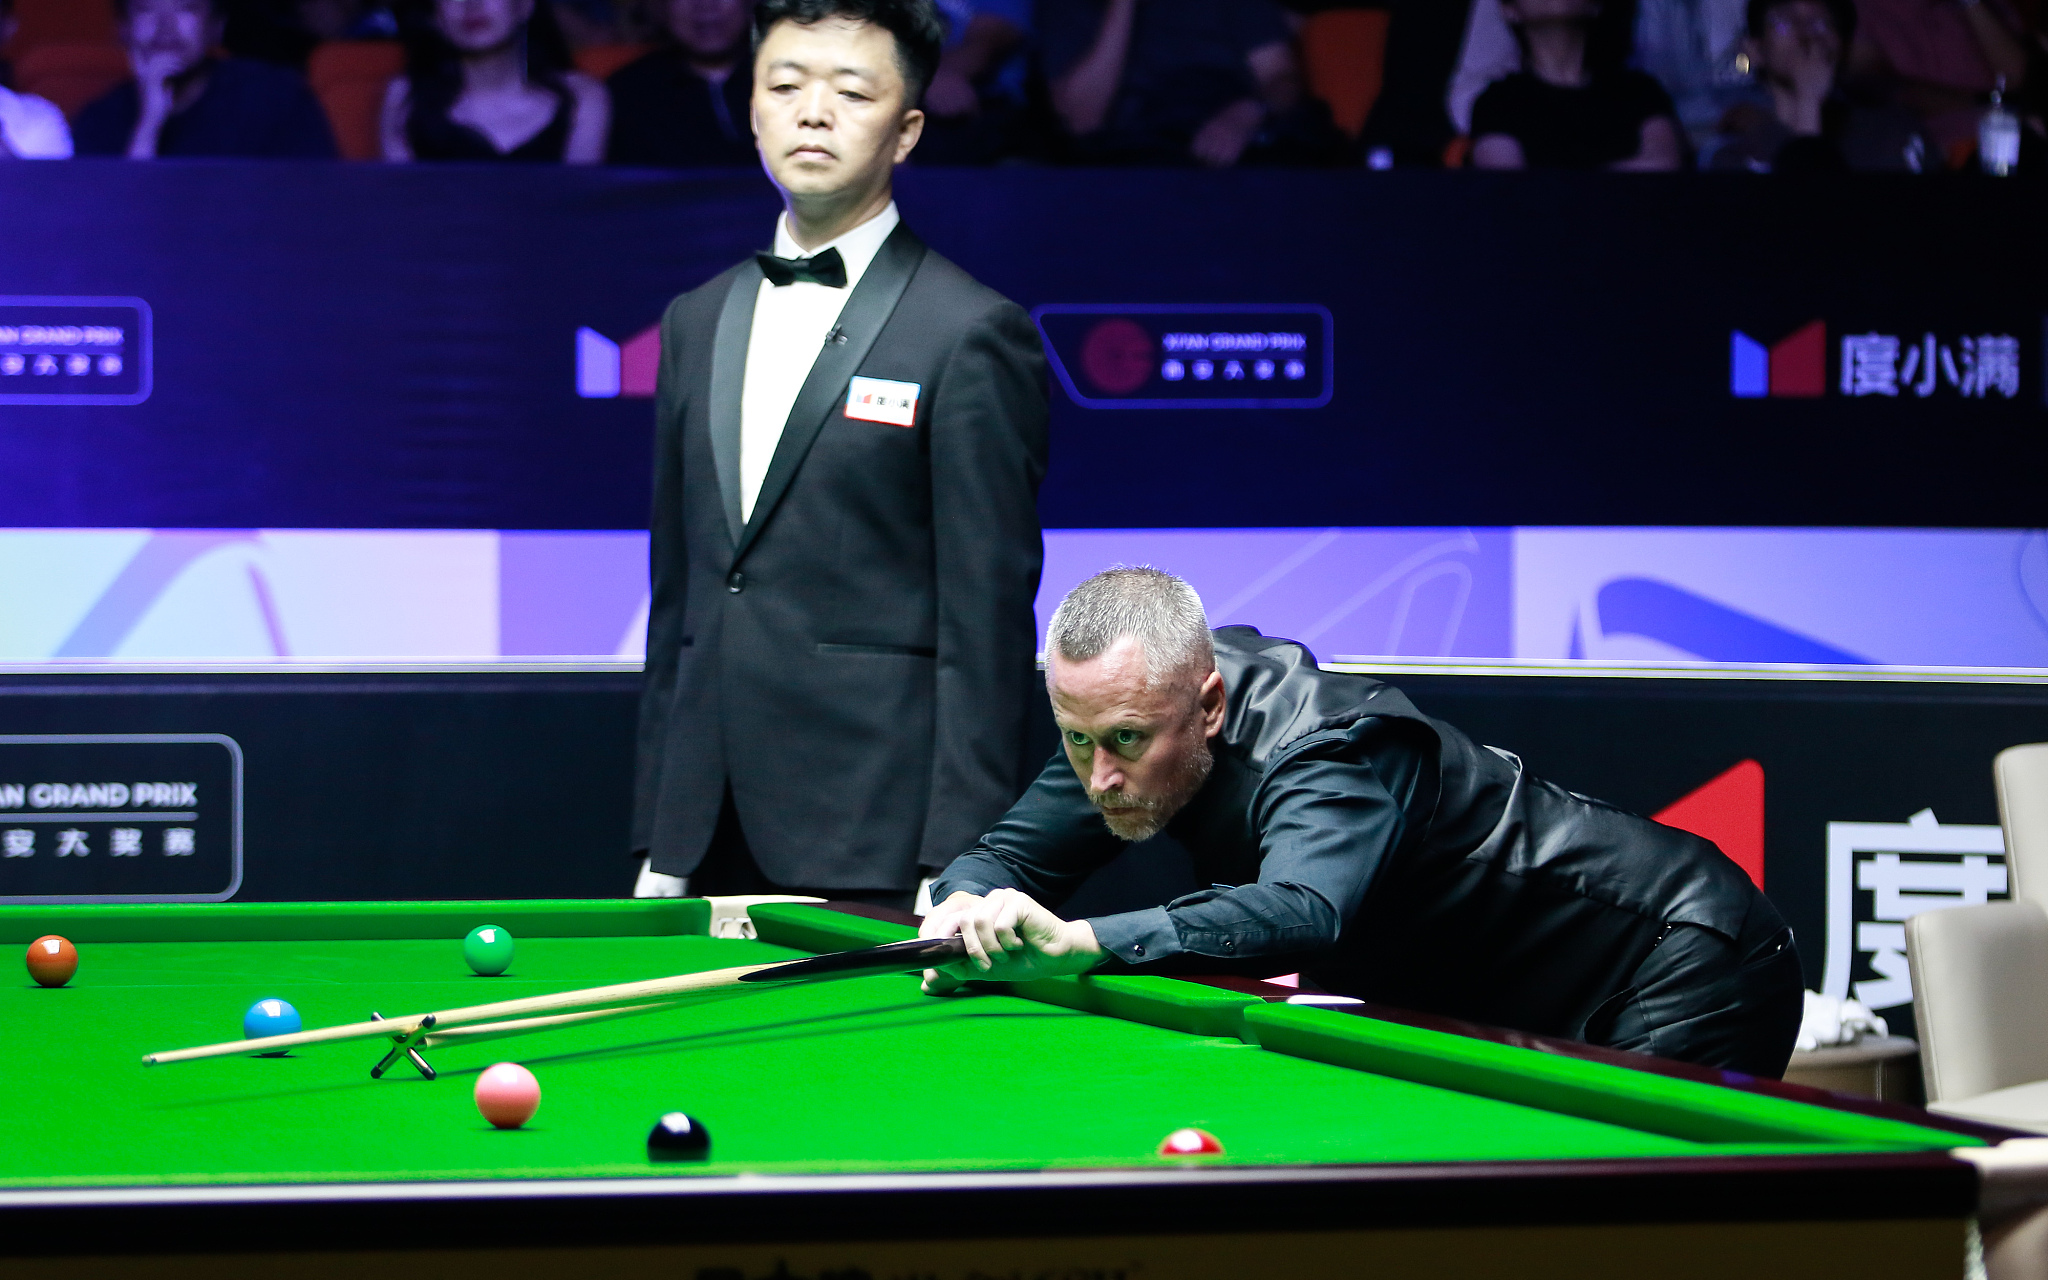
{"points": [[364, 346]]}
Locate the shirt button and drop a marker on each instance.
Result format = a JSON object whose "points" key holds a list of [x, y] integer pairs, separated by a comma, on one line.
{"points": [[1230, 946], [1137, 948], [736, 582]]}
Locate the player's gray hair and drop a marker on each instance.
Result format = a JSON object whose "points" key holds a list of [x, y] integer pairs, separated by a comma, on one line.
{"points": [[1161, 612]]}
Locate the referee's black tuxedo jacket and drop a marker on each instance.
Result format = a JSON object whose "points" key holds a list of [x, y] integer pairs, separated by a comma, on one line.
{"points": [[855, 661]]}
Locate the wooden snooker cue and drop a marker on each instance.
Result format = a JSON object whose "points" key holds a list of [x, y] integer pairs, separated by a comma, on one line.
{"points": [[520, 1026], [895, 957]]}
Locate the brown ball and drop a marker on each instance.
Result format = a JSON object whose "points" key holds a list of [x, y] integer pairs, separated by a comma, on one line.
{"points": [[52, 960]]}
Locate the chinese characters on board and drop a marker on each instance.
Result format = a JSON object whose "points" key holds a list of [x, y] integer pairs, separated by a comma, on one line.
{"points": [[122, 842], [1880, 875], [1885, 364]]}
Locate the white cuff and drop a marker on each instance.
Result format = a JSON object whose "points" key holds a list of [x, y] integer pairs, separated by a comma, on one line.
{"points": [[653, 884]]}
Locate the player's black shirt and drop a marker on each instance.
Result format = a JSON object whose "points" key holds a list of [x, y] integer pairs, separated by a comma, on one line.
{"points": [[1383, 853]]}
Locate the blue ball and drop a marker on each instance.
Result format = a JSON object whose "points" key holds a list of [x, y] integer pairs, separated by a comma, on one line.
{"points": [[270, 1017]]}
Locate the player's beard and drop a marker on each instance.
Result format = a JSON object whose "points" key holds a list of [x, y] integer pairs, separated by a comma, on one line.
{"points": [[1146, 816]]}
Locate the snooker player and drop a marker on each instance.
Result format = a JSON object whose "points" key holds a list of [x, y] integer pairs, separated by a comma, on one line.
{"points": [[1381, 852]]}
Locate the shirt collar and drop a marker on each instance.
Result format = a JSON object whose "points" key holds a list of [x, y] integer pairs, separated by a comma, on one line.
{"points": [[857, 248]]}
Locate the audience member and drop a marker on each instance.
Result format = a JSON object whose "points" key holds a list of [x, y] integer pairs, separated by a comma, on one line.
{"points": [[1695, 50], [685, 104], [1576, 107], [1491, 50], [974, 108], [1939, 58], [492, 80], [31, 128], [186, 102], [1212, 82], [1795, 50]]}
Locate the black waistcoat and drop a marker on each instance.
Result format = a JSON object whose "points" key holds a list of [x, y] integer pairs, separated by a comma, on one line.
{"points": [[1508, 900]]}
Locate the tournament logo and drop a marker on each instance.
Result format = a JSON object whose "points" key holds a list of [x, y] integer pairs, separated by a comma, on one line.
{"points": [[607, 370], [74, 351], [1160, 356], [1897, 366], [1793, 366]]}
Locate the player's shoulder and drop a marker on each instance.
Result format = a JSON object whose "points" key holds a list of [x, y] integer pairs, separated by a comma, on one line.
{"points": [[1280, 696]]}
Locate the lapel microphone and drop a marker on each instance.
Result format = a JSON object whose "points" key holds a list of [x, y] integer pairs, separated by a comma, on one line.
{"points": [[836, 336]]}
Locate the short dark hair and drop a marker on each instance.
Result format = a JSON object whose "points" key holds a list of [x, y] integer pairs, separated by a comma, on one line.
{"points": [[1841, 12], [920, 32]]}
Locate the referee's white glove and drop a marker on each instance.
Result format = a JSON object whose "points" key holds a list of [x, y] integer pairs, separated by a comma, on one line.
{"points": [[653, 884]]}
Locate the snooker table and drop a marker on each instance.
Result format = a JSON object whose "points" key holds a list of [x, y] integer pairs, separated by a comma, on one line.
{"points": [[862, 1129]]}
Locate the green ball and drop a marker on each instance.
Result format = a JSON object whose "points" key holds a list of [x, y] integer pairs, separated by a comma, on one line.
{"points": [[488, 948]]}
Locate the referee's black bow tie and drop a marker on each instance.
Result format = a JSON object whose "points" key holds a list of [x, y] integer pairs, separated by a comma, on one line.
{"points": [[827, 268]]}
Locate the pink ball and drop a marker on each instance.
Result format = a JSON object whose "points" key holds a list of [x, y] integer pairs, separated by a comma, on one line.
{"points": [[508, 1095]]}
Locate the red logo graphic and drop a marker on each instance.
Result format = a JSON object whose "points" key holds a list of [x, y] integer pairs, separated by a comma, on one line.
{"points": [[1117, 356], [1729, 810]]}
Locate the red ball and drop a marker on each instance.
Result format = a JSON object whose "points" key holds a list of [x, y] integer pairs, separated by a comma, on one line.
{"points": [[52, 960], [507, 1094], [1190, 1142]]}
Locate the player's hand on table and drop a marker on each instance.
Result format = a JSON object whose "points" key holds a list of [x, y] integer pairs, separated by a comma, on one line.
{"points": [[1010, 938]]}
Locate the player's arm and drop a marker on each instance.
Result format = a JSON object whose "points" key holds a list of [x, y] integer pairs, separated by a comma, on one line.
{"points": [[1327, 820], [988, 454]]}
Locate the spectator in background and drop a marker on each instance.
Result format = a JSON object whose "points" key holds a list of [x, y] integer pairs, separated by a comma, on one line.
{"points": [[685, 104], [492, 80], [1695, 49], [1491, 50], [31, 128], [1212, 82], [1795, 48], [1938, 58], [1577, 106], [185, 102], [974, 107]]}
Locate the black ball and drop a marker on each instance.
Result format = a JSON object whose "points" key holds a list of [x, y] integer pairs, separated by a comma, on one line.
{"points": [[678, 1137]]}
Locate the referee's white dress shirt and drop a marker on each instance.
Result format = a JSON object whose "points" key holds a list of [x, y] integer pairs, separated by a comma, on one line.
{"points": [[791, 323]]}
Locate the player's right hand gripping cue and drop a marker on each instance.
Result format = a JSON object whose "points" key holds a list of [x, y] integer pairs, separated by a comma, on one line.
{"points": [[1010, 938]]}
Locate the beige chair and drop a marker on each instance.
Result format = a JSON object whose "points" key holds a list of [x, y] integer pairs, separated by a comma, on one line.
{"points": [[1980, 974], [2021, 774]]}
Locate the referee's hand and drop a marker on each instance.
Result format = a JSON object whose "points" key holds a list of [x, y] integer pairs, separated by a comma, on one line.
{"points": [[1010, 938]]}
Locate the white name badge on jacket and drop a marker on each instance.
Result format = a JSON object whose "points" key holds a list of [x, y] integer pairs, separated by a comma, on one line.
{"points": [[880, 400]]}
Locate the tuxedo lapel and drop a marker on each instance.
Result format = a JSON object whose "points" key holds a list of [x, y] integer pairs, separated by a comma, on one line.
{"points": [[860, 323], [728, 381]]}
